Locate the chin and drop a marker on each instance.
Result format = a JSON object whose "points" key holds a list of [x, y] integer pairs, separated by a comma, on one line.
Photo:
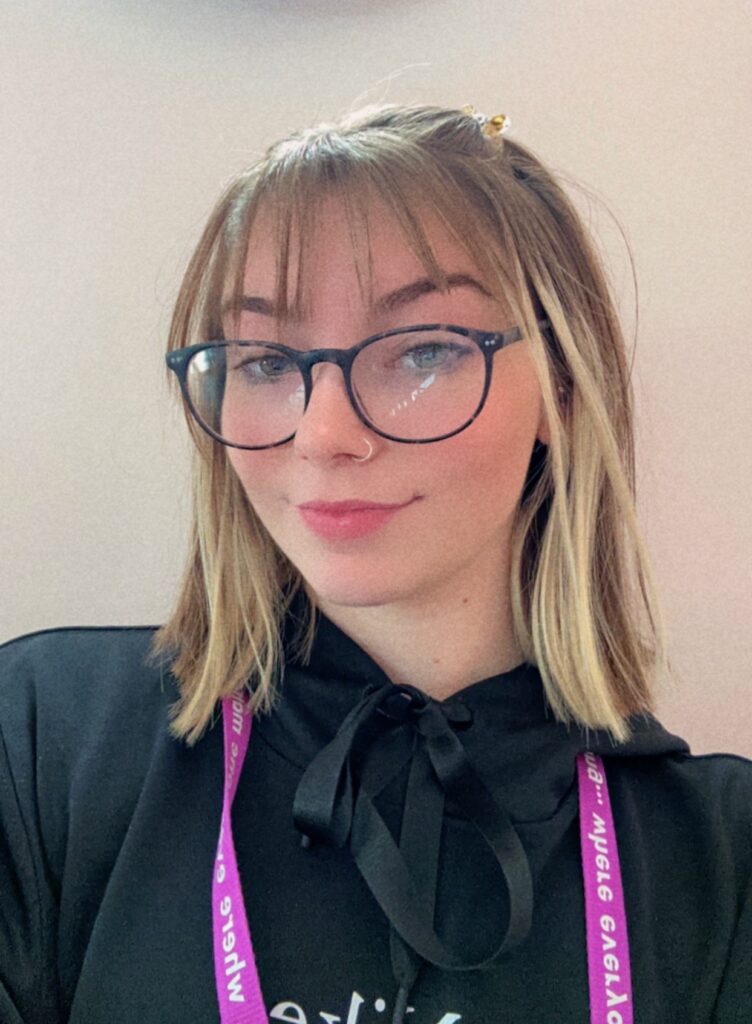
{"points": [[355, 593]]}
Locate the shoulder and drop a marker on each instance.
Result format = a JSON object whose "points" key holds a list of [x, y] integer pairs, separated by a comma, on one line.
{"points": [[703, 802], [83, 715], [69, 645], [721, 768], [69, 690], [77, 660], [711, 781], [719, 785]]}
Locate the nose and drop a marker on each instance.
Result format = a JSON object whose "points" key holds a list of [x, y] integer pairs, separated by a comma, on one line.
{"points": [[330, 421]]}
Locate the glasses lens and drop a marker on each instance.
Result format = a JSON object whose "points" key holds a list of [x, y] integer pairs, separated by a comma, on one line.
{"points": [[419, 385], [414, 386], [246, 392]]}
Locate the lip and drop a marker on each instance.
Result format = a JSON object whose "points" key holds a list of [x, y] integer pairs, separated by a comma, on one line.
{"points": [[336, 507], [349, 523]]}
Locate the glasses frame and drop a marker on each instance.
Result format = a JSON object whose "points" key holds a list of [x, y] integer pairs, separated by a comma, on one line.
{"points": [[489, 342]]}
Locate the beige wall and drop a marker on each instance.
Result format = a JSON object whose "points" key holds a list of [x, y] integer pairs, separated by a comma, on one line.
{"points": [[119, 124]]}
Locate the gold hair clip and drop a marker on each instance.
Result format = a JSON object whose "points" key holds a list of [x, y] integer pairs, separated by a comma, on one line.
{"points": [[490, 126]]}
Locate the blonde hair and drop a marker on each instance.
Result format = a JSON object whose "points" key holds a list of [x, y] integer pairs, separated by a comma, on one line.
{"points": [[585, 610]]}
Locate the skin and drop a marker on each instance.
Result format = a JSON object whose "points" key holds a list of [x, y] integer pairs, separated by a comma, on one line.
{"points": [[427, 595]]}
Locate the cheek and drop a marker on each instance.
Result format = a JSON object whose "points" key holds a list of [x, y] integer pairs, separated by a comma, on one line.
{"points": [[500, 440], [481, 472], [259, 474], [474, 485]]}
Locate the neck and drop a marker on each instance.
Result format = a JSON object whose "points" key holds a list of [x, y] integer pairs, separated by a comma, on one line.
{"points": [[440, 642]]}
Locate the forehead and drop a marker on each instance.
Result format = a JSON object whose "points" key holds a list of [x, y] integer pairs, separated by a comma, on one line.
{"points": [[362, 250]]}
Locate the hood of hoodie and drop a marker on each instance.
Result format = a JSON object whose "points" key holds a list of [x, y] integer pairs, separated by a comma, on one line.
{"points": [[384, 765]]}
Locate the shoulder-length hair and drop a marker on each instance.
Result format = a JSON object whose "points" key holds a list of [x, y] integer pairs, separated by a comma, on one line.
{"points": [[584, 605]]}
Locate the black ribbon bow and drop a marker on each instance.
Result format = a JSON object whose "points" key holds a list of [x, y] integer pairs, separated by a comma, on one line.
{"points": [[331, 807]]}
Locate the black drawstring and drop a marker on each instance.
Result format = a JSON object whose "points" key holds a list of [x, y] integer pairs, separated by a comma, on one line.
{"points": [[330, 808], [400, 1004]]}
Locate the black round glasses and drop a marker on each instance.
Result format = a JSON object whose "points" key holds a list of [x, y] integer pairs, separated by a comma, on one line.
{"points": [[414, 385]]}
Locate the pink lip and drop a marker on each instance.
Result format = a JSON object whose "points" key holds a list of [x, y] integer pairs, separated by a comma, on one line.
{"points": [[348, 524], [346, 506]]}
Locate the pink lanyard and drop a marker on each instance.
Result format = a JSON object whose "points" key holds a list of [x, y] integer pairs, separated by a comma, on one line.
{"points": [[238, 988]]}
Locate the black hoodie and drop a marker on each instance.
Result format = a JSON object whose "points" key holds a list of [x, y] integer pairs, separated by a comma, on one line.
{"points": [[109, 831]]}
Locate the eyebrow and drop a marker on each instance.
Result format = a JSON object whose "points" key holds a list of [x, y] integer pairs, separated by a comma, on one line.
{"points": [[401, 296]]}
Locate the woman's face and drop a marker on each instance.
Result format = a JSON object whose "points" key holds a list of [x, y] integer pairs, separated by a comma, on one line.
{"points": [[467, 486]]}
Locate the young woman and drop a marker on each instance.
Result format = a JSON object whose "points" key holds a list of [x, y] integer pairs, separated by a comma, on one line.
{"points": [[417, 586]]}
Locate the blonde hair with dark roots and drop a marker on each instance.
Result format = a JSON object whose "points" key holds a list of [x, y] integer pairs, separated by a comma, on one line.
{"points": [[585, 610]]}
